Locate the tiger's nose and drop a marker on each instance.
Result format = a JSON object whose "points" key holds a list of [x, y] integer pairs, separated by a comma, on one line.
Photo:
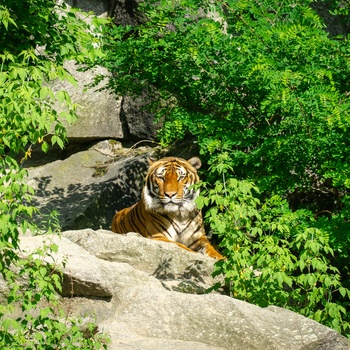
{"points": [[170, 194]]}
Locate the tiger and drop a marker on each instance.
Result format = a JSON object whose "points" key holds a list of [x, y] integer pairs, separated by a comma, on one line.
{"points": [[167, 211]]}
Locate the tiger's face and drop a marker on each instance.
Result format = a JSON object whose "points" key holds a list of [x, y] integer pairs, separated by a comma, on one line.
{"points": [[168, 186]]}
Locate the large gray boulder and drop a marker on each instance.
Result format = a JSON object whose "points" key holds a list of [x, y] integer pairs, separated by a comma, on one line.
{"points": [[101, 113], [186, 272], [139, 312], [89, 186]]}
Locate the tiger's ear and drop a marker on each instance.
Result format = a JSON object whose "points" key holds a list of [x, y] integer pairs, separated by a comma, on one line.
{"points": [[151, 160], [195, 162]]}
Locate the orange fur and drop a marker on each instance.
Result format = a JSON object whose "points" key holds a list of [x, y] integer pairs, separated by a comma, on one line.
{"points": [[167, 211]]}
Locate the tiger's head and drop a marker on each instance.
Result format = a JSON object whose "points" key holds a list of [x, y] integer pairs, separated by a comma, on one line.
{"points": [[168, 190]]}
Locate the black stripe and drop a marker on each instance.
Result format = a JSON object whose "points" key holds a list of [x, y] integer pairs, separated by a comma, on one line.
{"points": [[122, 226], [174, 224], [197, 230], [141, 219], [141, 210], [133, 222], [159, 222]]}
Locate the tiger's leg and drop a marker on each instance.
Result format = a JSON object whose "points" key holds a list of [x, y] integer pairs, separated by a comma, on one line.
{"points": [[203, 245], [160, 237]]}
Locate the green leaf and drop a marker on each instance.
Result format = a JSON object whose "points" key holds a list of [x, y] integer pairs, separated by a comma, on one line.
{"points": [[58, 140], [342, 291], [3, 77], [45, 147], [61, 96], [44, 92], [9, 324]]}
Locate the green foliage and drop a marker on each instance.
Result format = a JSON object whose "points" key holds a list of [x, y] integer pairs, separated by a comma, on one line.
{"points": [[275, 256], [36, 37], [263, 82], [264, 89], [41, 323], [35, 40]]}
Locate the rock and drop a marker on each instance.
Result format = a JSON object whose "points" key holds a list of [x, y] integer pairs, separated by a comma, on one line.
{"points": [[79, 278], [138, 124], [125, 12], [335, 24], [220, 321], [98, 7], [89, 186], [177, 270], [139, 313], [98, 111], [101, 113]]}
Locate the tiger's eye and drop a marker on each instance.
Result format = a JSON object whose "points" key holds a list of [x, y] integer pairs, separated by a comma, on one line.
{"points": [[181, 175]]}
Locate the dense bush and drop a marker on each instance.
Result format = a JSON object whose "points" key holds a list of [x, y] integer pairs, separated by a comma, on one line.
{"points": [[36, 37], [265, 91], [276, 256]]}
